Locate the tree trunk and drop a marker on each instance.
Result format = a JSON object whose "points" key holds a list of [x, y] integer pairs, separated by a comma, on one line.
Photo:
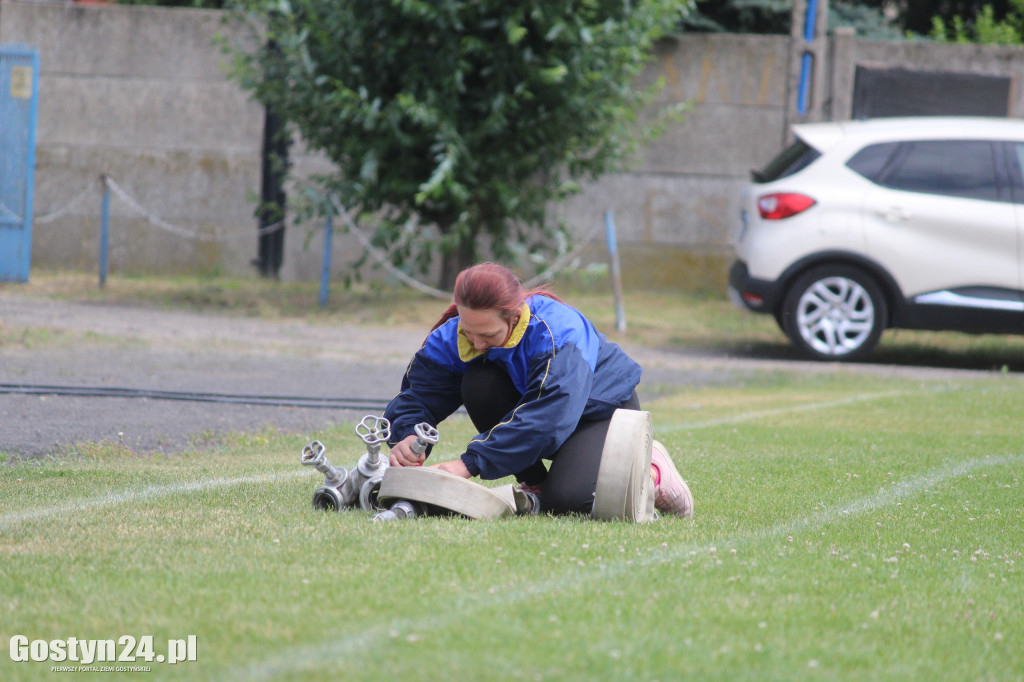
{"points": [[273, 200], [456, 261], [272, 196]]}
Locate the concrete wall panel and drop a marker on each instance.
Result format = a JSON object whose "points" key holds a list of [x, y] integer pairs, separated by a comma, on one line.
{"points": [[120, 41], [140, 94], [687, 212], [740, 70], [132, 113]]}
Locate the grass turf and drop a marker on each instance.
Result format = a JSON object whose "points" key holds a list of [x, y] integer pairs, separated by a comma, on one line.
{"points": [[846, 528]]}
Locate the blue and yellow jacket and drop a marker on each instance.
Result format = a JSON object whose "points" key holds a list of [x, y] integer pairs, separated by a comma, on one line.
{"points": [[565, 369]]}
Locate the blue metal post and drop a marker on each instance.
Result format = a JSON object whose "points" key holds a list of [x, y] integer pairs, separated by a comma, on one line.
{"points": [[30, 163], [812, 18], [803, 94], [325, 274], [613, 255], [806, 60], [104, 233]]}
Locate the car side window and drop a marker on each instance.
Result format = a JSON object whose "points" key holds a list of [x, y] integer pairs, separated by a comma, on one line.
{"points": [[1017, 164], [870, 161], [957, 168]]}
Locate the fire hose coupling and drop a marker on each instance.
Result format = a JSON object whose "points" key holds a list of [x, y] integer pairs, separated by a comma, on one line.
{"points": [[361, 485], [328, 497], [403, 509], [426, 435], [365, 478]]}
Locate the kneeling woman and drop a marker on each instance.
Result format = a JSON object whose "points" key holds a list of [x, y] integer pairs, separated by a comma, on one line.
{"points": [[539, 383]]}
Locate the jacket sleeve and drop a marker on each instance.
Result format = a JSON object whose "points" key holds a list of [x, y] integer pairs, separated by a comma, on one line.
{"points": [[558, 389], [430, 393]]}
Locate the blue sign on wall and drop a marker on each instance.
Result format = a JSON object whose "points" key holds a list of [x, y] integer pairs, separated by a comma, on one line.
{"points": [[19, 95]]}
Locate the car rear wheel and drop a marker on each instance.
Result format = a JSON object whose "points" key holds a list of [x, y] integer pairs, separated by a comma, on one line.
{"points": [[834, 313]]}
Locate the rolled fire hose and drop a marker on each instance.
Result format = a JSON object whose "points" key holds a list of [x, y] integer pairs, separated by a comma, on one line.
{"points": [[447, 491], [625, 491]]}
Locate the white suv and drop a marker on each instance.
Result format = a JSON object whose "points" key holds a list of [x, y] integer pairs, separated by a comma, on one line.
{"points": [[916, 223]]}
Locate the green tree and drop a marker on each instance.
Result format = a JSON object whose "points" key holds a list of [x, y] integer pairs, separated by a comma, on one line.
{"points": [[775, 17], [919, 17], [192, 4], [461, 119], [984, 27]]}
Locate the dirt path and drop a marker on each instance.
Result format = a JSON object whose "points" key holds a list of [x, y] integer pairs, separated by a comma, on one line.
{"points": [[110, 345], [101, 345]]}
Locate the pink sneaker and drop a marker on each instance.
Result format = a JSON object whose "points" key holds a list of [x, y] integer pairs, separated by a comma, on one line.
{"points": [[671, 494]]}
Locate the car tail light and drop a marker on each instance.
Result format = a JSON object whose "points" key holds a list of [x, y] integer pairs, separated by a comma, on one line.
{"points": [[783, 205]]}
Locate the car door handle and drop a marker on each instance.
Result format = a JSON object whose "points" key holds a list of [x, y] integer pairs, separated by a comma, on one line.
{"points": [[894, 214]]}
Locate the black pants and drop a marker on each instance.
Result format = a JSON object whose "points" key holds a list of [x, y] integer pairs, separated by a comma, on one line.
{"points": [[568, 486]]}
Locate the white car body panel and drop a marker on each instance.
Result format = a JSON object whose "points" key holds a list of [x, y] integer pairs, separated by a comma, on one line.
{"points": [[930, 242]]}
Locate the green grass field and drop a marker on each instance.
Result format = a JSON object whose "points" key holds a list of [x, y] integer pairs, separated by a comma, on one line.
{"points": [[846, 528], [849, 526]]}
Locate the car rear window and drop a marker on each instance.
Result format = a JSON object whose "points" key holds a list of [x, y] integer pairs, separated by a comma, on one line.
{"points": [[790, 160], [870, 161]]}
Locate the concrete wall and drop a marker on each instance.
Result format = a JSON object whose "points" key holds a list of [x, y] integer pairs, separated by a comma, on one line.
{"points": [[676, 209], [140, 93]]}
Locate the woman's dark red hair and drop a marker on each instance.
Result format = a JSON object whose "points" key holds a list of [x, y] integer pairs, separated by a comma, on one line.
{"points": [[489, 286]]}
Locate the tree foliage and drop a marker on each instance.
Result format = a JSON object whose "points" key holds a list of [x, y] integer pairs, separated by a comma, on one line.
{"points": [[775, 17], [187, 4], [984, 27], [992, 21], [464, 118]]}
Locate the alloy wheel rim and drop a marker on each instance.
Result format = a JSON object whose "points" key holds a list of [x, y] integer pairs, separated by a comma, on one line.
{"points": [[835, 316]]}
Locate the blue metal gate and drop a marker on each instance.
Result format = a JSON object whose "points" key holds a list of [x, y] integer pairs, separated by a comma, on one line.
{"points": [[19, 95]]}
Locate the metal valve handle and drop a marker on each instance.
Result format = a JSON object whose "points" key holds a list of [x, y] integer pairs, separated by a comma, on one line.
{"points": [[426, 435], [328, 496], [373, 430], [313, 455]]}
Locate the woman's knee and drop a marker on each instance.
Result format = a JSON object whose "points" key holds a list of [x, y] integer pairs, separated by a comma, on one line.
{"points": [[556, 499]]}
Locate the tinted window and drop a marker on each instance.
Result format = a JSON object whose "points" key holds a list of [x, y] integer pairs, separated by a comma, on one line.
{"points": [[790, 160], [1017, 163], [959, 168], [870, 161]]}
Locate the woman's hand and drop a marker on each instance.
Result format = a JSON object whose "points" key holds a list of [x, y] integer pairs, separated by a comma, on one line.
{"points": [[402, 454], [456, 466]]}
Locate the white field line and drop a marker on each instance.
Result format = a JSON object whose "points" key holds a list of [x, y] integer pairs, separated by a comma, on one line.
{"points": [[126, 496], [138, 495], [760, 414], [327, 654]]}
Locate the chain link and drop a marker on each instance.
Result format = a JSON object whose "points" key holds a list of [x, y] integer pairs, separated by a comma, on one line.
{"points": [[379, 256], [64, 210], [159, 222]]}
